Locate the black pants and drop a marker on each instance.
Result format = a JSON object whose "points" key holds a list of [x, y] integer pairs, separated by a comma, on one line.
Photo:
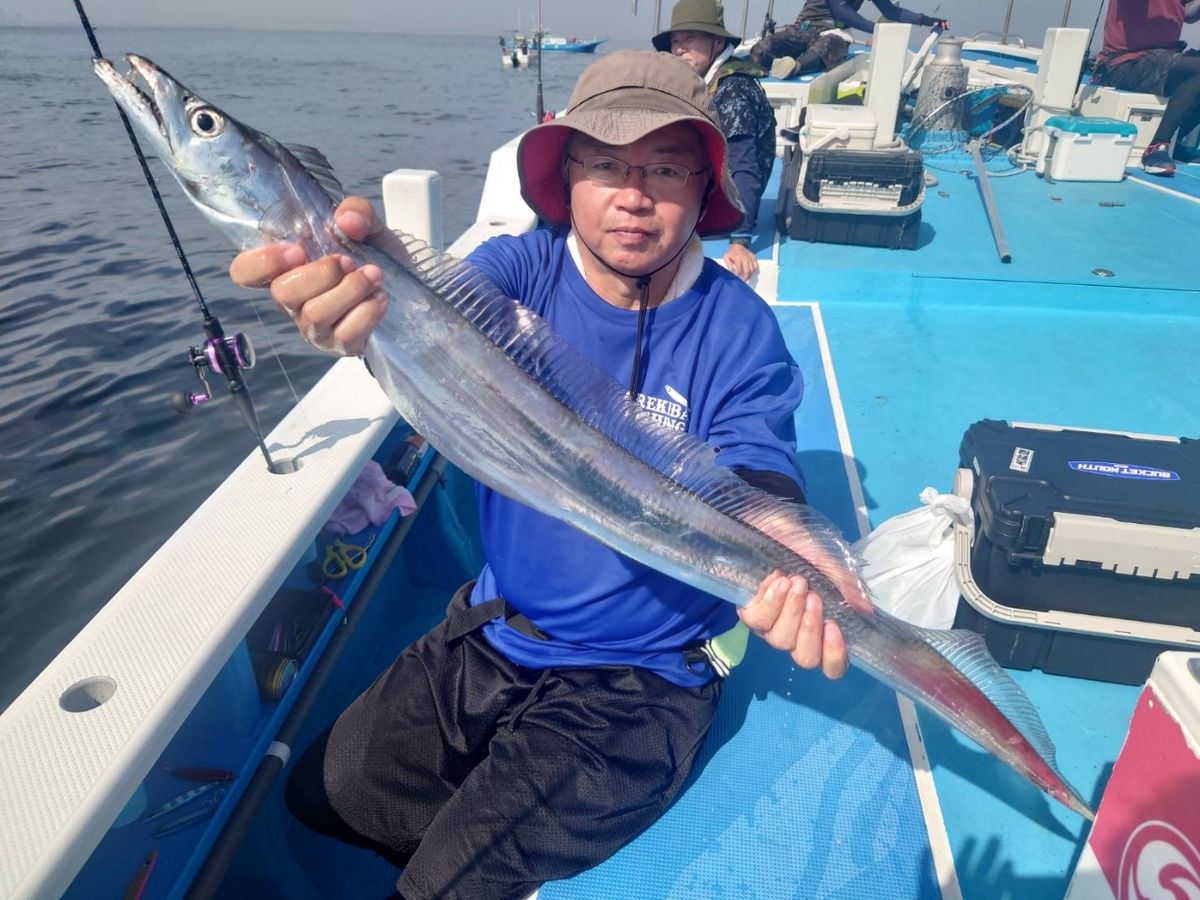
{"points": [[1175, 74], [485, 779], [795, 41]]}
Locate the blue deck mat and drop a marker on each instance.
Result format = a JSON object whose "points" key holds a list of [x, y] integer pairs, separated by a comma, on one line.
{"points": [[1048, 238], [806, 789], [924, 343]]}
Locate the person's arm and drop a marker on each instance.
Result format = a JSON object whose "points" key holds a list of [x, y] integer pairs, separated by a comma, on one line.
{"points": [[894, 13], [850, 17], [737, 105], [743, 165], [774, 483]]}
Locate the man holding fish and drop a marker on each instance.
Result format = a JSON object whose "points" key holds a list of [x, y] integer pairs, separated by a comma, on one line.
{"points": [[559, 709]]}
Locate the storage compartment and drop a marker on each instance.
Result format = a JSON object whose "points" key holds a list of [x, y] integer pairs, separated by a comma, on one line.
{"points": [[892, 232], [870, 198], [1085, 557], [1086, 149], [1142, 111]]}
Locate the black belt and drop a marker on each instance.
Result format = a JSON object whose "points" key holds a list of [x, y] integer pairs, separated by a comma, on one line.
{"points": [[471, 618], [462, 621]]}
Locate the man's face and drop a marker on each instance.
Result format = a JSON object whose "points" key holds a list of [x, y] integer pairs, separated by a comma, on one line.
{"points": [[634, 226], [696, 48]]}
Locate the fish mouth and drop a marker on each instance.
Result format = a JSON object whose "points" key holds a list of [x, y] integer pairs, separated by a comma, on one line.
{"points": [[140, 93]]}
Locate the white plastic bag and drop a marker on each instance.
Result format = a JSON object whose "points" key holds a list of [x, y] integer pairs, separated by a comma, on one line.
{"points": [[910, 560]]}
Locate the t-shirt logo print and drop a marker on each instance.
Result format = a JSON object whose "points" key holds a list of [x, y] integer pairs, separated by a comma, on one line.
{"points": [[671, 411]]}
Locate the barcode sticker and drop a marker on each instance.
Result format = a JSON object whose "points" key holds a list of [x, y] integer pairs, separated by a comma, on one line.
{"points": [[1022, 459]]}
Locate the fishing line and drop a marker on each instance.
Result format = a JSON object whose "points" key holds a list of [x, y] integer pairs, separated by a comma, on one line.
{"points": [[224, 355], [275, 353]]}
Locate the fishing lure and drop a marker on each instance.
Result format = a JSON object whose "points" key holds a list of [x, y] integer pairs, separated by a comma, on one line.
{"points": [[175, 802], [204, 811]]}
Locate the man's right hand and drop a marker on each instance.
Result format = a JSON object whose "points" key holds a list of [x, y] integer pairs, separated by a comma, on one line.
{"points": [[334, 303]]}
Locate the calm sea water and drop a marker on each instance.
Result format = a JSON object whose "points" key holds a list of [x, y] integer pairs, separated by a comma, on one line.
{"points": [[96, 469]]}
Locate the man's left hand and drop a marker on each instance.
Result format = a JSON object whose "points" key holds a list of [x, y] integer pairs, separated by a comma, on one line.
{"points": [[790, 617], [741, 262]]}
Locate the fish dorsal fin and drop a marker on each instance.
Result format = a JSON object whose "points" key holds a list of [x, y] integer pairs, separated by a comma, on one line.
{"points": [[318, 166], [595, 397], [967, 652]]}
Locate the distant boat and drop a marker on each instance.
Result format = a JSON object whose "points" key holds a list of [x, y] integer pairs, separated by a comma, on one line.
{"points": [[570, 45], [516, 55]]}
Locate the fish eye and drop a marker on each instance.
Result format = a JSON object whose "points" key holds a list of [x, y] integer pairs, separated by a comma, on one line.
{"points": [[206, 122]]}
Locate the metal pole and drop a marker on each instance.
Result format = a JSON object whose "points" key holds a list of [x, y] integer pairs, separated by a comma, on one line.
{"points": [[657, 17], [745, 19], [989, 203], [1066, 13], [1007, 20]]}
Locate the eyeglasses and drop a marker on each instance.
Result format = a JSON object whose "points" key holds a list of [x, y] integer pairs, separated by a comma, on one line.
{"points": [[661, 177]]}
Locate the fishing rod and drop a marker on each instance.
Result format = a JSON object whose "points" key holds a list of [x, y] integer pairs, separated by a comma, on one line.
{"points": [[768, 20], [540, 108], [223, 354]]}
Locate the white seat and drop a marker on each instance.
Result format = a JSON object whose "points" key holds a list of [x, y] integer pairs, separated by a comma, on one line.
{"points": [[1144, 111]]}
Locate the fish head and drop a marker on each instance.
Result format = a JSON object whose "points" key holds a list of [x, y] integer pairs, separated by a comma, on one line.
{"points": [[240, 178]]}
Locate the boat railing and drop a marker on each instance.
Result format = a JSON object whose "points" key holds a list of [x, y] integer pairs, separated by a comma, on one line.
{"points": [[501, 208], [97, 719], [1004, 38]]}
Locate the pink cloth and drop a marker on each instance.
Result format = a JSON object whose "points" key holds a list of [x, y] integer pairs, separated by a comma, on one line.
{"points": [[370, 502]]}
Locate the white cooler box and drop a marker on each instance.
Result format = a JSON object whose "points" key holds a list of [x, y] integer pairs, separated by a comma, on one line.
{"points": [[1082, 148], [830, 125]]}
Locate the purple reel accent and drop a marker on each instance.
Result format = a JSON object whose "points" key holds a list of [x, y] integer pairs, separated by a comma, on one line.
{"points": [[238, 344]]}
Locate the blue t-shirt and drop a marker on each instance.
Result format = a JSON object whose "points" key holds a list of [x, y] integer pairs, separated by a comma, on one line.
{"points": [[714, 364]]}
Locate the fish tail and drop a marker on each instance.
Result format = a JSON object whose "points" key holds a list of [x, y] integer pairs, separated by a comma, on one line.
{"points": [[967, 652]]}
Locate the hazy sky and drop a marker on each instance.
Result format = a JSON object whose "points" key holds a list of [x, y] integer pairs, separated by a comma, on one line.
{"points": [[611, 18]]}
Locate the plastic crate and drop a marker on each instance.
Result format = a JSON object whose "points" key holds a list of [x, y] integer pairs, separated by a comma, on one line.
{"points": [[869, 198]]}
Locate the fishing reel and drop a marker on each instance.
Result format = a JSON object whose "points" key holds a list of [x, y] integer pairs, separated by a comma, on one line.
{"points": [[224, 355]]}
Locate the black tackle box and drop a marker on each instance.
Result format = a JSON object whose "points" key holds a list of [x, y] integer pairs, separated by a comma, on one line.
{"points": [[869, 198], [1085, 555]]}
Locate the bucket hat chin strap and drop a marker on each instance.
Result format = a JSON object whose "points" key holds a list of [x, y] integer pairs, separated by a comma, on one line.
{"points": [[642, 282]]}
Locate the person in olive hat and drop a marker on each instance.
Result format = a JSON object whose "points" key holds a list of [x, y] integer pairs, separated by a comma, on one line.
{"points": [[558, 711], [814, 41], [698, 36]]}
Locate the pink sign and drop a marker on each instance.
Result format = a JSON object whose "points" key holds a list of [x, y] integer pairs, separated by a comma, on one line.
{"points": [[1147, 830]]}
